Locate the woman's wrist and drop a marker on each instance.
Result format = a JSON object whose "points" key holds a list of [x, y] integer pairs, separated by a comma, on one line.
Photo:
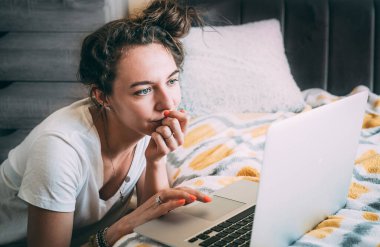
{"points": [[156, 163], [108, 236], [117, 230]]}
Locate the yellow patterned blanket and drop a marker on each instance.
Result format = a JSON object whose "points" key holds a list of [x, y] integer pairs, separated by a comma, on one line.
{"points": [[222, 148]]}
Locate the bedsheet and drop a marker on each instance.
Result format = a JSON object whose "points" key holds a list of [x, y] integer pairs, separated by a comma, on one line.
{"points": [[222, 148]]}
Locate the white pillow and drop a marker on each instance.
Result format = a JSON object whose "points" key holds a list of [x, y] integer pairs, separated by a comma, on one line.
{"points": [[241, 68]]}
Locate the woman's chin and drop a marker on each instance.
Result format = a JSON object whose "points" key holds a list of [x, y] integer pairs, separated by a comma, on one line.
{"points": [[152, 126]]}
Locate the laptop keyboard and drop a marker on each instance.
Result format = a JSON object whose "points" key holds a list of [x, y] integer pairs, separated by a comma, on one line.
{"points": [[235, 231]]}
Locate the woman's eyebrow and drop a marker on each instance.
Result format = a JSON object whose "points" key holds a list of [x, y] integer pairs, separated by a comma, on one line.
{"points": [[140, 83], [173, 73]]}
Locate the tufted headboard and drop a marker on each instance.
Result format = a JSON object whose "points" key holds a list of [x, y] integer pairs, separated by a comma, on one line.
{"points": [[330, 44]]}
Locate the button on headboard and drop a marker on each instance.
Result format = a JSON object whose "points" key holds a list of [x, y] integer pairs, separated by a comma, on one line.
{"points": [[330, 44]]}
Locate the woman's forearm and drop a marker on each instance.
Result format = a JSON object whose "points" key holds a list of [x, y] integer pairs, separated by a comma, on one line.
{"points": [[156, 179], [118, 230], [113, 233]]}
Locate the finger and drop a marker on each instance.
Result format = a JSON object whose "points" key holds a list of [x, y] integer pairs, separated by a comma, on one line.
{"points": [[199, 195], [164, 131], [175, 194], [168, 136], [175, 127], [171, 205], [151, 209], [171, 143], [181, 116], [162, 148]]}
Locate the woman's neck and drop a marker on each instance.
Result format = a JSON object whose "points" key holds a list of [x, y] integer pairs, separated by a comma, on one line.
{"points": [[115, 138]]}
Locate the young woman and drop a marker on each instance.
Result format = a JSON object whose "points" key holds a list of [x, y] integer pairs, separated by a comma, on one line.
{"points": [[75, 171]]}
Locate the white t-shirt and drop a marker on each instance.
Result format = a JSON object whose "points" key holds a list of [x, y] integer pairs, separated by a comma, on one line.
{"points": [[59, 167]]}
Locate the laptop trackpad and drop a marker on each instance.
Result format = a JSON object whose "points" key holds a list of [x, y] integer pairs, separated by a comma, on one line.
{"points": [[214, 210]]}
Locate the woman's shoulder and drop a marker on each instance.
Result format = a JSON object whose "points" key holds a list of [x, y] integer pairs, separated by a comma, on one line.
{"points": [[74, 115], [70, 127], [69, 123]]}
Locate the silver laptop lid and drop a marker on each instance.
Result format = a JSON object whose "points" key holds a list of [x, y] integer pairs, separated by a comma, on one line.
{"points": [[308, 163]]}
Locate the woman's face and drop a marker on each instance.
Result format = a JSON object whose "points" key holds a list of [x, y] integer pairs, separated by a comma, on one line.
{"points": [[146, 85]]}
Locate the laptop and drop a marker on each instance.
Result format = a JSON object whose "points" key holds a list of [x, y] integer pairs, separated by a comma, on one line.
{"points": [[305, 177]]}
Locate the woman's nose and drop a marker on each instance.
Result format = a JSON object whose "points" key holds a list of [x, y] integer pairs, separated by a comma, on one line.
{"points": [[164, 100]]}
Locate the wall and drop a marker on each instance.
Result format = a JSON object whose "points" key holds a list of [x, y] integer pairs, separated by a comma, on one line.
{"points": [[39, 55]]}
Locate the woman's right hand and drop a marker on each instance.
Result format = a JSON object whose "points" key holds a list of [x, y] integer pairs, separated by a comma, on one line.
{"points": [[169, 199]]}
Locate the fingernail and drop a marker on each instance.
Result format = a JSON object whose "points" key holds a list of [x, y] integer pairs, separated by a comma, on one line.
{"points": [[166, 113], [193, 198], [182, 110], [207, 199], [181, 202]]}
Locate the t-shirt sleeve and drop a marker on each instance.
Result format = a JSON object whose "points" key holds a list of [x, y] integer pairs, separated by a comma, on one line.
{"points": [[52, 175]]}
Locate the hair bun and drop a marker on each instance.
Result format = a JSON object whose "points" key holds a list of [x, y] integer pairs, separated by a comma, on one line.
{"points": [[171, 17]]}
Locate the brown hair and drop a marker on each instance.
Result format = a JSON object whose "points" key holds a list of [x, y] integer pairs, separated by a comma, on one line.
{"points": [[163, 21]]}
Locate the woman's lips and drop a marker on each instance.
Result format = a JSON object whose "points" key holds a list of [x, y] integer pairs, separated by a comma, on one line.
{"points": [[159, 121]]}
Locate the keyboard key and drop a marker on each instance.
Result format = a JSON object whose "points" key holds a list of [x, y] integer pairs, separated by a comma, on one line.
{"points": [[241, 231], [235, 227], [228, 230], [246, 236], [238, 241], [209, 241], [203, 236], [234, 235], [217, 228], [193, 240], [229, 239], [225, 224], [222, 234], [248, 227], [247, 221], [223, 242], [220, 244]]}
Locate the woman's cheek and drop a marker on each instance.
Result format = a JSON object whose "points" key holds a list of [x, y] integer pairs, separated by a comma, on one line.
{"points": [[178, 98]]}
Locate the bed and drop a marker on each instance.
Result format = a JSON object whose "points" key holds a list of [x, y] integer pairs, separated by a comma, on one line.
{"points": [[282, 58]]}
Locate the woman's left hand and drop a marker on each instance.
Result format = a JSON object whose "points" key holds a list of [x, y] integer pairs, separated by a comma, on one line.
{"points": [[167, 137], [157, 205]]}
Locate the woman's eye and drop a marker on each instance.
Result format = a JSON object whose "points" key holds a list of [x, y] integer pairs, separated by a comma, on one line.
{"points": [[172, 81], [144, 91]]}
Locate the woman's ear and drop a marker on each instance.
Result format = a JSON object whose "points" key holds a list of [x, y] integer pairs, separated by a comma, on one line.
{"points": [[99, 96]]}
